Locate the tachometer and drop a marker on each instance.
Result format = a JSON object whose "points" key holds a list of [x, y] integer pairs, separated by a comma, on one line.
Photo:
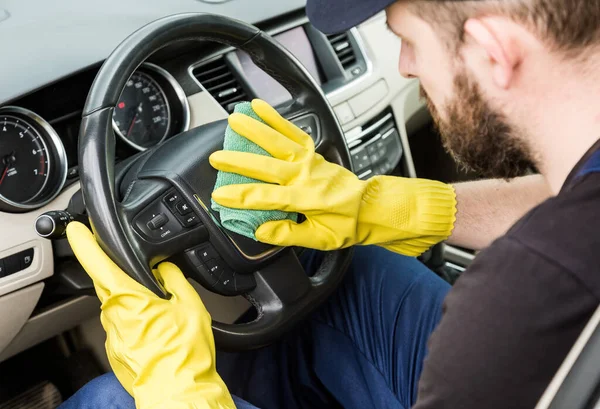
{"points": [[32, 160], [23, 162], [142, 116]]}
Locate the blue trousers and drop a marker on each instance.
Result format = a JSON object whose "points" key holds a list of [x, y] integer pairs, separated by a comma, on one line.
{"points": [[364, 348]]}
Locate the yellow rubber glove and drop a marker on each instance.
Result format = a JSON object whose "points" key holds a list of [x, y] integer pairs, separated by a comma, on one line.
{"points": [[407, 216], [162, 351]]}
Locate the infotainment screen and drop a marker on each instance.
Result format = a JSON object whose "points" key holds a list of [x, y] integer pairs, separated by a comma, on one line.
{"points": [[296, 41]]}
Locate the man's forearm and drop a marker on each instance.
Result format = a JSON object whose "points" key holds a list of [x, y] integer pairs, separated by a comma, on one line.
{"points": [[488, 208]]}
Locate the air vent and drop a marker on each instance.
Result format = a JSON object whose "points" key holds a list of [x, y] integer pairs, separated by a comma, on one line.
{"points": [[381, 124], [219, 81], [343, 49]]}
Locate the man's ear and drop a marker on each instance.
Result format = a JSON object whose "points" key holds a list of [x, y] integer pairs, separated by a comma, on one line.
{"points": [[496, 36]]}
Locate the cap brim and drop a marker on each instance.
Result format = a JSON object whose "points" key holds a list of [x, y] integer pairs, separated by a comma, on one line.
{"points": [[336, 16]]}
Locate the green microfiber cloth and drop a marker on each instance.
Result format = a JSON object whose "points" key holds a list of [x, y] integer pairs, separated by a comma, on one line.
{"points": [[244, 222]]}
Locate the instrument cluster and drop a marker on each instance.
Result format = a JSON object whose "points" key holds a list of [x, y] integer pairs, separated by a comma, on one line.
{"points": [[34, 165]]}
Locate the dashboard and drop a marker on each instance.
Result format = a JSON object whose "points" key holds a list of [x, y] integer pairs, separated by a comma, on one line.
{"points": [[51, 66], [38, 137]]}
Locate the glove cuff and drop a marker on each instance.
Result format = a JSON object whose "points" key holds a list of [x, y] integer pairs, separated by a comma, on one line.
{"points": [[406, 215], [436, 208]]}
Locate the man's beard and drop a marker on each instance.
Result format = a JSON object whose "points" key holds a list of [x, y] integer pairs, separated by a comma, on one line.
{"points": [[479, 138]]}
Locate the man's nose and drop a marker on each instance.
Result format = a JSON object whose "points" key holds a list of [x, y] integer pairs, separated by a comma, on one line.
{"points": [[406, 74], [406, 64]]}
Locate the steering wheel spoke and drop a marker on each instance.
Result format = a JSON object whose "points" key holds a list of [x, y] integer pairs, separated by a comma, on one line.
{"points": [[281, 283], [283, 290]]}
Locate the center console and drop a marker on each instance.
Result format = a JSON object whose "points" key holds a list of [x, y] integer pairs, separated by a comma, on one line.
{"points": [[337, 63]]}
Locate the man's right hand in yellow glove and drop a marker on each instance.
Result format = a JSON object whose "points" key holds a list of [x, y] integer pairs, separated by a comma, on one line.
{"points": [[407, 216], [162, 351]]}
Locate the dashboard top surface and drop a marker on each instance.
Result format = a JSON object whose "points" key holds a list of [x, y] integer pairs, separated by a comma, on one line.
{"points": [[44, 41]]}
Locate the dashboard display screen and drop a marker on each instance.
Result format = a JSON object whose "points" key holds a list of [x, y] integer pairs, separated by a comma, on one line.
{"points": [[296, 41]]}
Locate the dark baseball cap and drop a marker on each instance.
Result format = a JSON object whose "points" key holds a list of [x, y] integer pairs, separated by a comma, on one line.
{"points": [[335, 16]]}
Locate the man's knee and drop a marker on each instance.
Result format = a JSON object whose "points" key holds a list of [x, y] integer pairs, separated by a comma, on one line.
{"points": [[376, 266], [378, 282], [103, 392]]}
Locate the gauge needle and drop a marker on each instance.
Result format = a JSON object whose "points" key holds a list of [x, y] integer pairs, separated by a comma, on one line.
{"points": [[8, 160], [4, 174], [137, 112], [132, 125]]}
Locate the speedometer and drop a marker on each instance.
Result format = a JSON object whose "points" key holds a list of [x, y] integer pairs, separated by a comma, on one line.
{"points": [[142, 116], [33, 164], [152, 108]]}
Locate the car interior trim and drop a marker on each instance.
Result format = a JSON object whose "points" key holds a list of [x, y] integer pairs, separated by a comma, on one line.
{"points": [[16, 308], [458, 256], [404, 107], [51, 322], [553, 389]]}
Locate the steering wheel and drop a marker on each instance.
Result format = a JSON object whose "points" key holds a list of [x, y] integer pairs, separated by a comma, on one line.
{"points": [[157, 206]]}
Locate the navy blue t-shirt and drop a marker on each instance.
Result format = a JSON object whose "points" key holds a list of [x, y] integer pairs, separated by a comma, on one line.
{"points": [[514, 315]]}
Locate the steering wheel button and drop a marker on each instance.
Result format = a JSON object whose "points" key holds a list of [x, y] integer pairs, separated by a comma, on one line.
{"points": [[226, 283], [189, 220], [183, 208], [216, 266], [171, 199], [206, 277], [215, 269], [157, 222], [207, 253]]}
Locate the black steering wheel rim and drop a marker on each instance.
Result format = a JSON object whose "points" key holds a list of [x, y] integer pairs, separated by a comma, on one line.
{"points": [[280, 302]]}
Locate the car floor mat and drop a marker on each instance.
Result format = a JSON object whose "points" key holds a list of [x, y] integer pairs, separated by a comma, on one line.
{"points": [[43, 395]]}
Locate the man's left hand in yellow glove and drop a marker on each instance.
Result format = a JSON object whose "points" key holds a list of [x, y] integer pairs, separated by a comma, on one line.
{"points": [[404, 215], [162, 351]]}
